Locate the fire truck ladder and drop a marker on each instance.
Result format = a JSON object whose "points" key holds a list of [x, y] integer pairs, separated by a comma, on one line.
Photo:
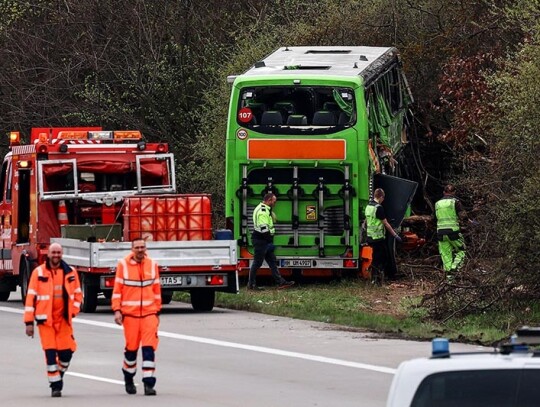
{"points": [[320, 210], [295, 220]]}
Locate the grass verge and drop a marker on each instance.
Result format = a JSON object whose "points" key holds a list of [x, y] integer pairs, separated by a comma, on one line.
{"points": [[393, 310]]}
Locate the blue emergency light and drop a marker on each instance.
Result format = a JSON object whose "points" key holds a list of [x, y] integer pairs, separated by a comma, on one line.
{"points": [[440, 347]]}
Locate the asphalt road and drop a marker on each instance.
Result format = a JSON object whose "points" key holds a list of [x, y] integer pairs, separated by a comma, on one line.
{"points": [[222, 358]]}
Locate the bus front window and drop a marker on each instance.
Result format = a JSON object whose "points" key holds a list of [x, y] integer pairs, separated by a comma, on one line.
{"points": [[296, 110]]}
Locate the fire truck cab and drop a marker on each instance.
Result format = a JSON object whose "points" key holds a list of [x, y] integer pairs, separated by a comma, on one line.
{"points": [[80, 186]]}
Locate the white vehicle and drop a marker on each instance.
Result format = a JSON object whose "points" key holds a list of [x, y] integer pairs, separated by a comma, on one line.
{"points": [[508, 376]]}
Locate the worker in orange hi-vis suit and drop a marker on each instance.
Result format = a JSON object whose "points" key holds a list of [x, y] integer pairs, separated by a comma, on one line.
{"points": [[54, 297], [136, 302]]}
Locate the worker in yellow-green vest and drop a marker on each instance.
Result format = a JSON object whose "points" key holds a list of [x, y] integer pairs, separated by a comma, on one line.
{"points": [[263, 243], [448, 211], [376, 226]]}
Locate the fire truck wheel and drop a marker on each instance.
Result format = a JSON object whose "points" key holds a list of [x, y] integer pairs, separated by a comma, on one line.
{"points": [[4, 295], [203, 300], [25, 271], [166, 298], [90, 294]]}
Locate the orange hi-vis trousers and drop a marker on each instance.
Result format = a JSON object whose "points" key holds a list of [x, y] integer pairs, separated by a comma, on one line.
{"points": [[140, 332], [58, 343]]}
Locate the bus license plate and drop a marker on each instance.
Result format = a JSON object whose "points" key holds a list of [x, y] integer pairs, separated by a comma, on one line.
{"points": [[169, 281], [295, 263]]}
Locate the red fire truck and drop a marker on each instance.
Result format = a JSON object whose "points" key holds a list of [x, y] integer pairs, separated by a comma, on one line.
{"points": [[93, 191]]}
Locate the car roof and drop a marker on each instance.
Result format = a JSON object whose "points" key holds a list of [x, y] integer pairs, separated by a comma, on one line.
{"points": [[410, 374]]}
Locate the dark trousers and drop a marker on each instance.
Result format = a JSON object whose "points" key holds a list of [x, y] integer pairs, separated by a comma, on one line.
{"points": [[379, 259], [264, 250]]}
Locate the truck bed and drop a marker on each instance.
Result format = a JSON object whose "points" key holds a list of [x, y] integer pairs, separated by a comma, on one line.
{"points": [[215, 253]]}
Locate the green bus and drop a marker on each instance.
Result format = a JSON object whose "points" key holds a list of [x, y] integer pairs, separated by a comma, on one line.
{"points": [[320, 127]]}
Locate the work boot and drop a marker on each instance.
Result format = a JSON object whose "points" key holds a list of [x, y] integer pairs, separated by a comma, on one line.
{"points": [[56, 393], [285, 284], [149, 390], [130, 387], [254, 288]]}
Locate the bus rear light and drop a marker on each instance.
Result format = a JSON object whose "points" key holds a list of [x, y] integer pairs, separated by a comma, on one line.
{"points": [[214, 280], [350, 263], [243, 264], [108, 281]]}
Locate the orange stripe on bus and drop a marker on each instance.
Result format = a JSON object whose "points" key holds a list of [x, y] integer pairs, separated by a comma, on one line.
{"points": [[296, 149]]}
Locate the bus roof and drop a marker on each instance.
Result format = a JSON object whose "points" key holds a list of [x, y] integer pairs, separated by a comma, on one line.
{"points": [[326, 61]]}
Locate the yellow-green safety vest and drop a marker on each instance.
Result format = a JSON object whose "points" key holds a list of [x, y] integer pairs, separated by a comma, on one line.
{"points": [[262, 219], [447, 218], [375, 226]]}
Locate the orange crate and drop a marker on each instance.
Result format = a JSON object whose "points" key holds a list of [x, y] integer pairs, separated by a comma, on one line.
{"points": [[171, 217]]}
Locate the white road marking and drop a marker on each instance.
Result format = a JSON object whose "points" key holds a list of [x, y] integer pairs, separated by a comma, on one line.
{"points": [[260, 349], [91, 377]]}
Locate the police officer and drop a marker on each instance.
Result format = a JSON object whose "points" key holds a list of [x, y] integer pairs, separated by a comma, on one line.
{"points": [[376, 224], [263, 238], [448, 211]]}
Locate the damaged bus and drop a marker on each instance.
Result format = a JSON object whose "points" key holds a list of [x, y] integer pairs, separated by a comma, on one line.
{"points": [[321, 128]]}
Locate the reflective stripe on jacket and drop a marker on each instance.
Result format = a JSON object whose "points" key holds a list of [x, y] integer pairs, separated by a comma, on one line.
{"points": [[375, 226], [445, 211], [39, 299], [262, 219], [137, 288]]}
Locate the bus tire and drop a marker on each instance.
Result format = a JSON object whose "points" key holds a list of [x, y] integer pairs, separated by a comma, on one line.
{"points": [[4, 295], [203, 300], [90, 294]]}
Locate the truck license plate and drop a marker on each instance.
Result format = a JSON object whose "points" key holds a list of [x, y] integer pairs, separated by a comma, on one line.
{"points": [[295, 263], [167, 281]]}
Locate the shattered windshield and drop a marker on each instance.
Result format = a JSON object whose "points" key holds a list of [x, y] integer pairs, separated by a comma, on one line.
{"points": [[296, 109]]}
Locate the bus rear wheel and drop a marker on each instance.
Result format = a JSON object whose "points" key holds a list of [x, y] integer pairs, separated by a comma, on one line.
{"points": [[4, 295]]}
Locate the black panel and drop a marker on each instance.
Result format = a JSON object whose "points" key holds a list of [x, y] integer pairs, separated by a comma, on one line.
{"points": [[399, 193], [285, 176]]}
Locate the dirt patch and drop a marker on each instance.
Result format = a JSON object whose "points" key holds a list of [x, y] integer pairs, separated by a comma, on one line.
{"points": [[393, 298]]}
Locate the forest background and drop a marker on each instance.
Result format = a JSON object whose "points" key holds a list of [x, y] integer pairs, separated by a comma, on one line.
{"points": [[161, 66]]}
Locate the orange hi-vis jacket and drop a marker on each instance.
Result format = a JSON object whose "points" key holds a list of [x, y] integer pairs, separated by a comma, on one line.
{"points": [[40, 295], [137, 288]]}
